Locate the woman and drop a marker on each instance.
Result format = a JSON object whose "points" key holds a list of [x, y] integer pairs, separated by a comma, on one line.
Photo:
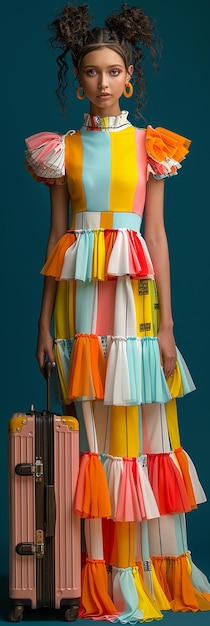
{"points": [[114, 347]]}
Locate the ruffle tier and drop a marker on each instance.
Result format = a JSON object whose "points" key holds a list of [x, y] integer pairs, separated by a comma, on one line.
{"points": [[137, 489], [121, 371], [121, 595], [99, 254]]}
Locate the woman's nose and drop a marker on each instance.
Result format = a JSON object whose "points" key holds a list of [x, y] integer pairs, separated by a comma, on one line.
{"points": [[102, 81]]}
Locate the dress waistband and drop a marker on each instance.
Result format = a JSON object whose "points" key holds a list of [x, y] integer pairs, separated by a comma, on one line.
{"points": [[91, 219]]}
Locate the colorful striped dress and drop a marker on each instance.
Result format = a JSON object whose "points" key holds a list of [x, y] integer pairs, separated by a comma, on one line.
{"points": [[135, 481]]}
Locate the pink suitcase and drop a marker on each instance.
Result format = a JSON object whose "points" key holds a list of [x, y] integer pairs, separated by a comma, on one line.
{"points": [[44, 533]]}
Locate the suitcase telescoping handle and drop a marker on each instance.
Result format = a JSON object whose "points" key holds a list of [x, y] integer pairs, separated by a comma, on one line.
{"points": [[50, 490], [49, 367]]}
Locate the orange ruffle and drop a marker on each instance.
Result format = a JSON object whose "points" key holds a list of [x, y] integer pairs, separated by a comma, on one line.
{"points": [[92, 496], [54, 263], [87, 372], [95, 601], [173, 574], [162, 144], [183, 463], [167, 484]]}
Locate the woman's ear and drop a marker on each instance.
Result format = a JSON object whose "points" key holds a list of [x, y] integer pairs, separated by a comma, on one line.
{"points": [[129, 73]]}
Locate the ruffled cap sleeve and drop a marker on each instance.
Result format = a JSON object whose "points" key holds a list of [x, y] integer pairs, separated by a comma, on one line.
{"points": [[165, 151], [45, 156]]}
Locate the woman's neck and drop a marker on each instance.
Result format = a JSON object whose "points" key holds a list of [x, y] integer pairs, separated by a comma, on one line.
{"points": [[105, 111]]}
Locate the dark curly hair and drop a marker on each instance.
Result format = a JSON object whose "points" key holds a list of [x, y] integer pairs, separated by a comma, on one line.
{"points": [[128, 32]]}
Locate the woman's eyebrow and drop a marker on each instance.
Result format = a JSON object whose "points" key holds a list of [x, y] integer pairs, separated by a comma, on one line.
{"points": [[109, 66]]}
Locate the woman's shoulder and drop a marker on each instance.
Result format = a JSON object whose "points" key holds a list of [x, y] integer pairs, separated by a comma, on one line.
{"points": [[45, 156]]}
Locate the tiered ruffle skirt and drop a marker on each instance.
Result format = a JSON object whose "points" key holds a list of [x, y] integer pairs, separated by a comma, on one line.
{"points": [[135, 481]]}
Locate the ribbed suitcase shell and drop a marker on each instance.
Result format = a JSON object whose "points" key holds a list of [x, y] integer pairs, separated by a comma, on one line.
{"points": [[22, 518]]}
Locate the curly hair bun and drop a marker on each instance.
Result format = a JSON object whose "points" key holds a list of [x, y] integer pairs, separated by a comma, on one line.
{"points": [[71, 27], [131, 24]]}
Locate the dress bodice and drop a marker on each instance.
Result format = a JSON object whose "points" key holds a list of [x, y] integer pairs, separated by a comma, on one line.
{"points": [[107, 164], [107, 172]]}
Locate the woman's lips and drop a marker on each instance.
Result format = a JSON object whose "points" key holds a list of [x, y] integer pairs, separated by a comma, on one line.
{"points": [[103, 96]]}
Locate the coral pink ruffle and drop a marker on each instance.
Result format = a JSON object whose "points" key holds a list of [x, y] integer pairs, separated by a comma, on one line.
{"points": [[45, 157]]}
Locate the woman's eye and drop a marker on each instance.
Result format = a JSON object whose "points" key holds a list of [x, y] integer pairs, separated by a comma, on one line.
{"points": [[115, 72], [91, 72]]}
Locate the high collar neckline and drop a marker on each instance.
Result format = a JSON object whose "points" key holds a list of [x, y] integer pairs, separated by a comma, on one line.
{"points": [[107, 123]]}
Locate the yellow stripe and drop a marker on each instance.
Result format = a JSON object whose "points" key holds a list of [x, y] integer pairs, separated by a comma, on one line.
{"points": [[124, 173], [122, 554], [64, 326], [146, 602], [73, 160], [172, 421], [124, 436], [98, 264], [146, 305]]}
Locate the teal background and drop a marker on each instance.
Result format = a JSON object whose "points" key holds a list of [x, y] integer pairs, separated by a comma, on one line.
{"points": [[179, 100]]}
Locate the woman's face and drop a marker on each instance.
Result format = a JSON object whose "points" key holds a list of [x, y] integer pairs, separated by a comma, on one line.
{"points": [[103, 75]]}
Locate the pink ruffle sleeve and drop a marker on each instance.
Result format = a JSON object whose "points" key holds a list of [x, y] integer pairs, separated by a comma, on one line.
{"points": [[45, 157]]}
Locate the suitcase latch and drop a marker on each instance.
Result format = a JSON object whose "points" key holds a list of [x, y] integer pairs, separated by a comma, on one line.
{"points": [[38, 468], [30, 469], [39, 548], [29, 548]]}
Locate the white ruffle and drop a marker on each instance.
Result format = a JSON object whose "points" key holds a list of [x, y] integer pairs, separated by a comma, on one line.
{"points": [[117, 385], [150, 503], [110, 122], [169, 166]]}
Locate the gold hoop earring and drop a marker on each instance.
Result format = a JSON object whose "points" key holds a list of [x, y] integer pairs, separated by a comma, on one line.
{"points": [[80, 95], [128, 90]]}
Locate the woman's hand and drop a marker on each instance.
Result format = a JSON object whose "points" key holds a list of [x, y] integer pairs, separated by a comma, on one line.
{"points": [[167, 347], [44, 349]]}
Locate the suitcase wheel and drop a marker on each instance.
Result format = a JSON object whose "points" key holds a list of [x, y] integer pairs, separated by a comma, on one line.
{"points": [[71, 614], [16, 614]]}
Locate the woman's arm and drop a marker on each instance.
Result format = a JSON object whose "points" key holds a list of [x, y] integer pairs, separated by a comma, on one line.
{"points": [[59, 201], [156, 240]]}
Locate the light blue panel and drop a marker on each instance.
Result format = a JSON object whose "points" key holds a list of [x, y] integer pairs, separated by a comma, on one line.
{"points": [[180, 528], [96, 172], [84, 306], [126, 220]]}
